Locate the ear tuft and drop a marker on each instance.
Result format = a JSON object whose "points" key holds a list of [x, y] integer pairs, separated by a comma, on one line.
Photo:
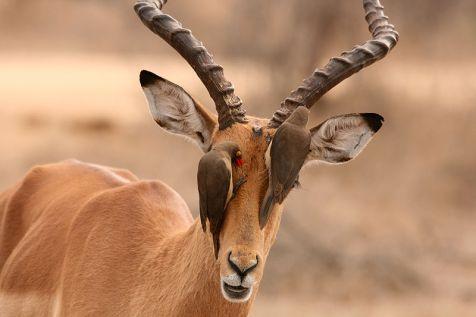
{"points": [[148, 78], [373, 120]]}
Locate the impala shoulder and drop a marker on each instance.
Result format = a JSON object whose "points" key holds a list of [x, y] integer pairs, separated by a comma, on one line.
{"points": [[75, 170], [143, 200], [152, 190], [118, 175], [163, 200]]}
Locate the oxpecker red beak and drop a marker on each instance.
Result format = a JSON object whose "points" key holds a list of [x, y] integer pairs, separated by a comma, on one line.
{"points": [[239, 162]]}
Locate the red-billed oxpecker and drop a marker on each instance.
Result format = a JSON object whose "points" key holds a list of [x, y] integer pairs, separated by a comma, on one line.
{"points": [[289, 149], [215, 186]]}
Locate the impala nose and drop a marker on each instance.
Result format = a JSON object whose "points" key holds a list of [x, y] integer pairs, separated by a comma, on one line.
{"points": [[242, 264]]}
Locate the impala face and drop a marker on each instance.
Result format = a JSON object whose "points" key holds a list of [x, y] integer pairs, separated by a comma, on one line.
{"points": [[243, 245], [242, 252]]}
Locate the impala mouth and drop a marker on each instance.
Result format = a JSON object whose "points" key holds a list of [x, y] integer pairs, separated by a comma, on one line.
{"points": [[236, 293]]}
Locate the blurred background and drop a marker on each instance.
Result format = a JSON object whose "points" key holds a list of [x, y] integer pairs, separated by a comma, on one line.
{"points": [[392, 233]]}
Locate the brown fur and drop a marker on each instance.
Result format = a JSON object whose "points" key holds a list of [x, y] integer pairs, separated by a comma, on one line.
{"points": [[78, 239]]}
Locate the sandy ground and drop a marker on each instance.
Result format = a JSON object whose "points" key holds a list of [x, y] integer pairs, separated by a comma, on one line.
{"points": [[285, 306]]}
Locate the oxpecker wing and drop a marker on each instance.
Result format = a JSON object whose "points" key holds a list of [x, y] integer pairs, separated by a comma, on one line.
{"points": [[289, 149], [215, 187]]}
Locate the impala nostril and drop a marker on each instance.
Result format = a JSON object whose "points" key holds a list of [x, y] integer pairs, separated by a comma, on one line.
{"points": [[240, 269], [252, 267]]}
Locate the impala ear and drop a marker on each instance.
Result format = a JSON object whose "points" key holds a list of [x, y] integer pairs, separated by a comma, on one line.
{"points": [[342, 138], [176, 111]]}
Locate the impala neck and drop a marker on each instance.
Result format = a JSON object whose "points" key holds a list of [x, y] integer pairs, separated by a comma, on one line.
{"points": [[183, 272]]}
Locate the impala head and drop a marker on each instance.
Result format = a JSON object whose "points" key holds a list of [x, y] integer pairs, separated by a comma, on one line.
{"points": [[243, 245]]}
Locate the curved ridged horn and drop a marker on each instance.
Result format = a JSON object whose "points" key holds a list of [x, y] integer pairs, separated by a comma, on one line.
{"points": [[384, 39], [228, 105]]}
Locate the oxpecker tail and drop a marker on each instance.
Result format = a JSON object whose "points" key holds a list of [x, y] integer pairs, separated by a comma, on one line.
{"points": [[266, 207]]}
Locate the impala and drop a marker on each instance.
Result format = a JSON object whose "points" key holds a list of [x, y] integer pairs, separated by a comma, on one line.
{"points": [[79, 239]]}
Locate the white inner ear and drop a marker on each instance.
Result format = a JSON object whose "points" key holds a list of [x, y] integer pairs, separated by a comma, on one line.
{"points": [[175, 111], [340, 139]]}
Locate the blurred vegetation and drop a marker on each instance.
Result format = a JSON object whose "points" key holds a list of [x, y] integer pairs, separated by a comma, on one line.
{"points": [[286, 37], [273, 31]]}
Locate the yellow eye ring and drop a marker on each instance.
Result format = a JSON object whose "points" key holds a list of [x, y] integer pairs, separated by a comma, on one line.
{"points": [[238, 154]]}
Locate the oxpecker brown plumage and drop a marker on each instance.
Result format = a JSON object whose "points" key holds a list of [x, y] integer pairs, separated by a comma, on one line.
{"points": [[288, 152], [215, 186]]}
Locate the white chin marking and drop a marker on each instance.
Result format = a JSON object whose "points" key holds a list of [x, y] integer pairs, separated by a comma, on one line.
{"points": [[238, 298]]}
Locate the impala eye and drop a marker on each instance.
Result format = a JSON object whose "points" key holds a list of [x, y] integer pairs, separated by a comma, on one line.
{"points": [[238, 184]]}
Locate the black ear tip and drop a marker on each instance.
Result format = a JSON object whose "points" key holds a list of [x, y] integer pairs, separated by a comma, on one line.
{"points": [[374, 121], [147, 78]]}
